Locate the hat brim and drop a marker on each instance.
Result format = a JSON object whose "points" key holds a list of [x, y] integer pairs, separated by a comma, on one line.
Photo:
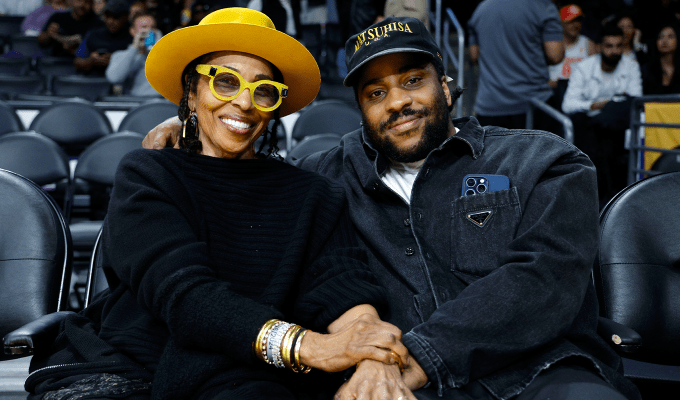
{"points": [[351, 75], [173, 52]]}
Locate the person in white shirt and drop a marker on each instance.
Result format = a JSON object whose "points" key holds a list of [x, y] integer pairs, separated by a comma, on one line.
{"points": [[598, 101], [127, 66], [599, 78]]}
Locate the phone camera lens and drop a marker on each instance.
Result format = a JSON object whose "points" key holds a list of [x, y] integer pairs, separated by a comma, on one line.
{"points": [[470, 182], [481, 188], [469, 192]]}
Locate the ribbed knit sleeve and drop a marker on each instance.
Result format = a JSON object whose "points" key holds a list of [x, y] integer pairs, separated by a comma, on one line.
{"points": [[214, 248], [337, 278], [153, 243]]}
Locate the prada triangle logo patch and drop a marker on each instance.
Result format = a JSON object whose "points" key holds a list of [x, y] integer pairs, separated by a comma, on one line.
{"points": [[479, 218]]}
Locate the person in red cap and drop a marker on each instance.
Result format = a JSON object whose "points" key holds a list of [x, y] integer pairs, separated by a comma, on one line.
{"points": [[577, 46]]}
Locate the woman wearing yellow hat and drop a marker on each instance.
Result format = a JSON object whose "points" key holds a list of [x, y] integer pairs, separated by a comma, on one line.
{"points": [[220, 257]]}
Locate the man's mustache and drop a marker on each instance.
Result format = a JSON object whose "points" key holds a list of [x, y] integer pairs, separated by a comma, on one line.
{"points": [[407, 111]]}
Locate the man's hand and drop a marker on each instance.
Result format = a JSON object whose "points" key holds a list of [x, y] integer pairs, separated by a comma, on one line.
{"points": [[374, 380], [414, 377], [53, 30], [164, 135], [139, 41], [100, 60], [598, 105], [70, 42]]}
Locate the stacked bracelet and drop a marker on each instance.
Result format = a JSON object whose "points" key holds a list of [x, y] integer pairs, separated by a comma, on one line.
{"points": [[278, 343]]}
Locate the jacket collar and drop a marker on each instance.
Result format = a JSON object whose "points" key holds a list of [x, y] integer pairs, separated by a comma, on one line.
{"points": [[370, 165]]}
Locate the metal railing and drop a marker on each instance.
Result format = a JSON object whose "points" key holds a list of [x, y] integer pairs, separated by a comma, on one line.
{"points": [[567, 125], [458, 63], [636, 169]]}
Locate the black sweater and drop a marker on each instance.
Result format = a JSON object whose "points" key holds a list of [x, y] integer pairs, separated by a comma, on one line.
{"points": [[205, 250]]}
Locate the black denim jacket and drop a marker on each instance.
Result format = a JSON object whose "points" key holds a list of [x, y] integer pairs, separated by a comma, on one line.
{"points": [[500, 302]]}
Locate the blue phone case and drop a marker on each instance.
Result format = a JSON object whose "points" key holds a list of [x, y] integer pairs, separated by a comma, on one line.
{"points": [[482, 183]]}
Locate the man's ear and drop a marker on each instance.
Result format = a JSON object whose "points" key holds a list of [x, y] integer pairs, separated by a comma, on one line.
{"points": [[447, 92]]}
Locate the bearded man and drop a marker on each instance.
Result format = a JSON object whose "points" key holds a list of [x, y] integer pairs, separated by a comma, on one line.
{"points": [[598, 101], [488, 277]]}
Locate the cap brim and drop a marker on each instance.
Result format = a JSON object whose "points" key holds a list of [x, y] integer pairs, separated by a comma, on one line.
{"points": [[173, 52], [348, 81]]}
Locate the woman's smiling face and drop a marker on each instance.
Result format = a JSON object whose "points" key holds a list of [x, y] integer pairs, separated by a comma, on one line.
{"points": [[229, 129]]}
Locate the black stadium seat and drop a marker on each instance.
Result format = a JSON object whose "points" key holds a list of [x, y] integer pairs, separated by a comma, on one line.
{"points": [[312, 144], [637, 277], [89, 88], [9, 120], [73, 124], [35, 261], [146, 116], [326, 116]]}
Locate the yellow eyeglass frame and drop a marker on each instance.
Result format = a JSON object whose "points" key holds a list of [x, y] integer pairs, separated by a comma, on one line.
{"points": [[213, 70]]}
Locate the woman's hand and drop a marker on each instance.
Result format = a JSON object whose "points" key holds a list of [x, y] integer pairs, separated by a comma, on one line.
{"points": [[364, 337], [166, 134], [375, 381]]}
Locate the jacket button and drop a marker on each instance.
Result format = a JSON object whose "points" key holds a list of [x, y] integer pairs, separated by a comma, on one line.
{"points": [[376, 186], [409, 251], [407, 222]]}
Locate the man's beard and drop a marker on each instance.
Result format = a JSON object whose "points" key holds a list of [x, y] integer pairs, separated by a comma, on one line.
{"points": [[433, 135], [612, 62]]}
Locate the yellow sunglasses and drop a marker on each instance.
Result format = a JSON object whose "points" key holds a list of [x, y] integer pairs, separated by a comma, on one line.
{"points": [[227, 85]]}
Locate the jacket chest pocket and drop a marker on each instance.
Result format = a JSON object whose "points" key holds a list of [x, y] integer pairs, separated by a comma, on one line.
{"points": [[482, 226]]}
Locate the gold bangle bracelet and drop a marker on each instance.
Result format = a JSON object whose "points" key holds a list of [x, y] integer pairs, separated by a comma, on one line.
{"points": [[264, 342], [302, 368], [259, 341], [286, 345]]}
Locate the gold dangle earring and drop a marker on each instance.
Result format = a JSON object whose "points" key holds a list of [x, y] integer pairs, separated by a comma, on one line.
{"points": [[191, 118]]}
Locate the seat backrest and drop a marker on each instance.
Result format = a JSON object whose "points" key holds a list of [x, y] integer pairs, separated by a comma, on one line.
{"points": [[26, 45], [668, 162], [637, 271], [73, 124], [96, 278], [35, 253], [13, 85], [327, 116], [53, 66], [98, 163], [89, 88], [41, 160], [312, 144], [10, 24], [15, 66], [9, 120], [146, 116]]}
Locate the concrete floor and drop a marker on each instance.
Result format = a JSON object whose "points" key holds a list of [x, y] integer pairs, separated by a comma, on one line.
{"points": [[13, 373]]}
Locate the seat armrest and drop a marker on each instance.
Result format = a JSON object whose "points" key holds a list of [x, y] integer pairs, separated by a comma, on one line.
{"points": [[34, 335], [622, 338]]}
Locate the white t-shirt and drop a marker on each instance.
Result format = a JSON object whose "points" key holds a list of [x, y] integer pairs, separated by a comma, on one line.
{"points": [[400, 177], [572, 54]]}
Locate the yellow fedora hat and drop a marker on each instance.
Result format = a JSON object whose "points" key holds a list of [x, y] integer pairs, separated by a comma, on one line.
{"points": [[234, 29]]}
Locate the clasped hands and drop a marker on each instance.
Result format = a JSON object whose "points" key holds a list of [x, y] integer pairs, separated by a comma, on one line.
{"points": [[375, 347]]}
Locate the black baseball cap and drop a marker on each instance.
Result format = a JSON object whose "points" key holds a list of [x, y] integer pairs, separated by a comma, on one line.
{"points": [[117, 8], [391, 35]]}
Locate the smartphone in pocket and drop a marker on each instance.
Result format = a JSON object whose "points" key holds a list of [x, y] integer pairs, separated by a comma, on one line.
{"points": [[483, 183]]}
